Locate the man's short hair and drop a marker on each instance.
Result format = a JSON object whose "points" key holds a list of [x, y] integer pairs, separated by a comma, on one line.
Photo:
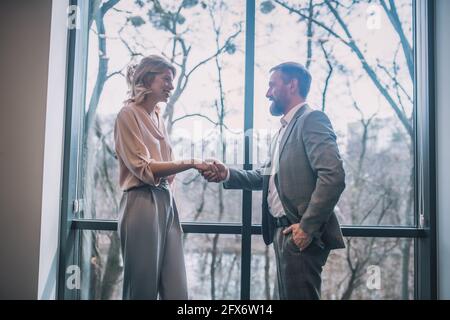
{"points": [[294, 70]]}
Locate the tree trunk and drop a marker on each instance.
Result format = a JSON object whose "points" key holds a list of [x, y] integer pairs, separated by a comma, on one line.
{"points": [[267, 273], [113, 270]]}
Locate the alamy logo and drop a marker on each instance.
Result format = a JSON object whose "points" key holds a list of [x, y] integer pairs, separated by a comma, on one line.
{"points": [[374, 279], [73, 17], [74, 279]]}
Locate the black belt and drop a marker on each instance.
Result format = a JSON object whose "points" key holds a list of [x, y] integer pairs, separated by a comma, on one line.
{"points": [[282, 222]]}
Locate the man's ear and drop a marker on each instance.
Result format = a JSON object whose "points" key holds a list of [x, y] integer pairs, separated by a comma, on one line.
{"points": [[294, 85]]}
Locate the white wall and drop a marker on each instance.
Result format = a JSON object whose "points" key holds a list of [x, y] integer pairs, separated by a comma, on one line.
{"points": [[24, 56], [443, 143], [53, 152]]}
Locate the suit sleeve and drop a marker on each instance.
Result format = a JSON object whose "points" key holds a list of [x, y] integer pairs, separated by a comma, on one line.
{"points": [[249, 179], [244, 179], [323, 155]]}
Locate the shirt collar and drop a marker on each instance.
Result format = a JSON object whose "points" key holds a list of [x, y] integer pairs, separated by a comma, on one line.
{"points": [[286, 119]]}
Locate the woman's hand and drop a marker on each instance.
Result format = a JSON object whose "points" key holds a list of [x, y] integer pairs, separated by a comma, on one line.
{"points": [[205, 166], [162, 169], [219, 173]]}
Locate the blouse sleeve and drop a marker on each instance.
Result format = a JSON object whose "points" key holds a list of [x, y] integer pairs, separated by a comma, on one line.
{"points": [[131, 149]]}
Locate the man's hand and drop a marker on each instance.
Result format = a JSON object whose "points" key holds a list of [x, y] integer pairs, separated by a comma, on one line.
{"points": [[300, 237], [206, 166], [219, 172]]}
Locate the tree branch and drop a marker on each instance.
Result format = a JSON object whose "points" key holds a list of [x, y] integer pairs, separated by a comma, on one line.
{"points": [[304, 16], [327, 80], [234, 35], [406, 123], [396, 23], [195, 115], [309, 34]]}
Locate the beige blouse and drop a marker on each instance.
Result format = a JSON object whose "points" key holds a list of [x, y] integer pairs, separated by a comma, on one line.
{"points": [[138, 142]]}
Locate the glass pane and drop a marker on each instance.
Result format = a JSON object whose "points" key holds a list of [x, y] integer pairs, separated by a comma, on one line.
{"points": [[263, 271], [365, 86], [101, 265], [256, 207], [213, 265], [205, 41], [369, 268], [200, 201]]}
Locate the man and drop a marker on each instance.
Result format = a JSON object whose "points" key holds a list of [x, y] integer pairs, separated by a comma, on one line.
{"points": [[301, 182]]}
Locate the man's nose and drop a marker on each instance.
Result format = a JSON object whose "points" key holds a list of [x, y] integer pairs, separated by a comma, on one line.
{"points": [[268, 94]]}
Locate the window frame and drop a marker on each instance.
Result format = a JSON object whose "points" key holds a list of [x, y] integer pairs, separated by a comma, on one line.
{"points": [[423, 232], [425, 248]]}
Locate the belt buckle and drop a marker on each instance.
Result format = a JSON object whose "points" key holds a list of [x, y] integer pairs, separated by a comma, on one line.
{"points": [[282, 222], [278, 222]]}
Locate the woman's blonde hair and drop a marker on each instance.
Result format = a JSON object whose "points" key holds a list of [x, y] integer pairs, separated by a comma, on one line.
{"points": [[141, 75]]}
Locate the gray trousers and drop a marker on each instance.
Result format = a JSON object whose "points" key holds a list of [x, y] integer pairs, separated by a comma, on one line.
{"points": [[151, 243], [298, 272]]}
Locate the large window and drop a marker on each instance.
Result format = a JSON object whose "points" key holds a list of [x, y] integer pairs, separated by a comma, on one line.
{"points": [[368, 60]]}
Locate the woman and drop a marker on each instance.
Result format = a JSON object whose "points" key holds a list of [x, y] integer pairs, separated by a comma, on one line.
{"points": [[149, 226]]}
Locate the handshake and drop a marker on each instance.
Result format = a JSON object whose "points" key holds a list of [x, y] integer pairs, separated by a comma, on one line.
{"points": [[212, 170]]}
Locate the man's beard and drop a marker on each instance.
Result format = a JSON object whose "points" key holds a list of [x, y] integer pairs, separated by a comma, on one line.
{"points": [[276, 109]]}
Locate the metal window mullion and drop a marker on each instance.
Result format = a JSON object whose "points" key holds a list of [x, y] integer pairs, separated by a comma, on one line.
{"points": [[69, 237], [248, 126], [425, 248], [236, 228]]}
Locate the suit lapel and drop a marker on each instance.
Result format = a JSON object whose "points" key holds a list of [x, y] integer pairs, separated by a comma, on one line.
{"points": [[290, 126]]}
